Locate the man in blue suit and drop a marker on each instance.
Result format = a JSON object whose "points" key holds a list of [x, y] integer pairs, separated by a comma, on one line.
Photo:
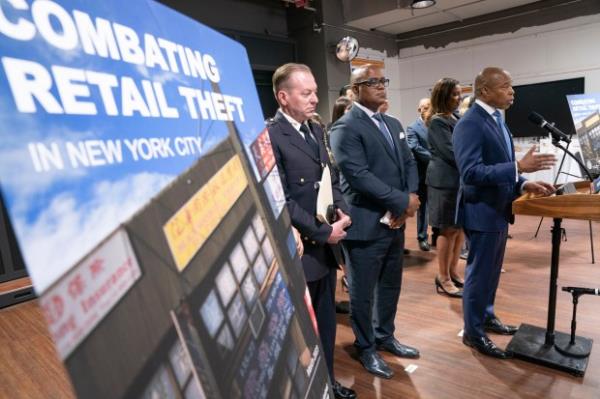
{"points": [[379, 181], [416, 136], [490, 181]]}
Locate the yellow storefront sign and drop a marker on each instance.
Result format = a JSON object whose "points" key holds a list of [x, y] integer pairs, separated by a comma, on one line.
{"points": [[188, 229]]}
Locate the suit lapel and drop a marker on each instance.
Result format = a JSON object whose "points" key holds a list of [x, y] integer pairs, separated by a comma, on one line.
{"points": [[295, 139], [370, 127], [396, 140], [493, 126], [499, 135], [318, 132]]}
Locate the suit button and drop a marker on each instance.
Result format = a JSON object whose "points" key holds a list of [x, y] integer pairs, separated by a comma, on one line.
{"points": [[305, 238], [302, 180], [313, 243]]}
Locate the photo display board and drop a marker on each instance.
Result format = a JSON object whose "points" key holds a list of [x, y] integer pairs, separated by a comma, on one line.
{"points": [[140, 180], [585, 110]]}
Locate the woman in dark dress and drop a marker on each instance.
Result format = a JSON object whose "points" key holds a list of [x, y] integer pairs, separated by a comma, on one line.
{"points": [[443, 183]]}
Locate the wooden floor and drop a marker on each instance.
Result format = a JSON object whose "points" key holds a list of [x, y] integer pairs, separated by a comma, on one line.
{"points": [[431, 322], [29, 367]]}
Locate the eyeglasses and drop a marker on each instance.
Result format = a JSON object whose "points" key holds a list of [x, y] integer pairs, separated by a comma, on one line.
{"points": [[374, 82]]}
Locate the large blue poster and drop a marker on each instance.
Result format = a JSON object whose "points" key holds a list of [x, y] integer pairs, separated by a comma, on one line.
{"points": [[102, 104], [585, 110]]}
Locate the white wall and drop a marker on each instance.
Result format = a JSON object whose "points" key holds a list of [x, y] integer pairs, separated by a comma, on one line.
{"points": [[561, 50]]}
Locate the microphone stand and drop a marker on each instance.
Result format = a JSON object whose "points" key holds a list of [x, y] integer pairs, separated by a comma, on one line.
{"points": [[556, 143], [562, 161], [578, 347], [545, 345]]}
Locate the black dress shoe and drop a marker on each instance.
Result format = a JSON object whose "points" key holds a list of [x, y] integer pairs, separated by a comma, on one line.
{"points": [[396, 348], [342, 307], [495, 325], [485, 346], [341, 392], [374, 364], [424, 245]]}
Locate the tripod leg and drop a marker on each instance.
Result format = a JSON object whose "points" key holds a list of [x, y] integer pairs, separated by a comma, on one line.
{"points": [[592, 242]]}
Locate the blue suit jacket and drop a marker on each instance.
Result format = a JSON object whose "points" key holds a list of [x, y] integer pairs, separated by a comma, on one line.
{"points": [[487, 172], [418, 141], [375, 177]]}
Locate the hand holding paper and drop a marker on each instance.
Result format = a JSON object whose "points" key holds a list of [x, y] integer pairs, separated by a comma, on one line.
{"points": [[325, 196]]}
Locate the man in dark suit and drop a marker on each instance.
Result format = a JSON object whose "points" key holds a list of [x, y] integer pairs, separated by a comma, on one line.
{"points": [[490, 181], [301, 156], [379, 181], [416, 136]]}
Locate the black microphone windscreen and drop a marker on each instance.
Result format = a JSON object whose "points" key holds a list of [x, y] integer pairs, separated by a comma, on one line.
{"points": [[536, 118]]}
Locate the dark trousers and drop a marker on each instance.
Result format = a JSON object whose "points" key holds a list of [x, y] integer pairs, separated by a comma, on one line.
{"points": [[486, 254], [422, 219], [375, 278], [322, 295]]}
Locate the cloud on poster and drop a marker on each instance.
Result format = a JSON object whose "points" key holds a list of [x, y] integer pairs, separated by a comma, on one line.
{"points": [[68, 227]]}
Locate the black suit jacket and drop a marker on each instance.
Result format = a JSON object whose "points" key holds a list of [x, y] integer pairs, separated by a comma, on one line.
{"points": [[375, 177], [442, 171], [300, 169]]}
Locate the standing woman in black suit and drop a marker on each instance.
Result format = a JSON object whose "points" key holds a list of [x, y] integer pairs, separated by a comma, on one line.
{"points": [[443, 184]]}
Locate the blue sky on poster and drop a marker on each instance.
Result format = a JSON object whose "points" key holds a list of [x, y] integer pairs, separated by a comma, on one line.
{"points": [[61, 207]]}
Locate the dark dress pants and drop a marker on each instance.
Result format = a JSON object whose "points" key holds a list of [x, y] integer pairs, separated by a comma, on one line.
{"points": [[375, 278], [486, 254], [422, 222], [322, 295]]}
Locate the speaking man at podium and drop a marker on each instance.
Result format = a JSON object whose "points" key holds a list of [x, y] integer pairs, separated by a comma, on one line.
{"points": [[490, 181]]}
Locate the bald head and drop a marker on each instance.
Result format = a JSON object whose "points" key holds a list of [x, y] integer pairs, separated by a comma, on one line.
{"points": [[489, 77], [368, 85], [362, 73], [493, 86], [424, 106]]}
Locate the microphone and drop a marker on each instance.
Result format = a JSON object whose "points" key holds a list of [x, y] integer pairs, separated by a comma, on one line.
{"points": [[581, 290], [539, 120]]}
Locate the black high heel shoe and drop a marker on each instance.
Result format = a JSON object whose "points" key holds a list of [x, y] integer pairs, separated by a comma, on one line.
{"points": [[457, 283], [440, 286]]}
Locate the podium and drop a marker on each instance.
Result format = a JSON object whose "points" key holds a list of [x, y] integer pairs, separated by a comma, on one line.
{"points": [[547, 346]]}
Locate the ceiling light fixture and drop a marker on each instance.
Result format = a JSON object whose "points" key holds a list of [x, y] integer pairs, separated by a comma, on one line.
{"points": [[422, 3]]}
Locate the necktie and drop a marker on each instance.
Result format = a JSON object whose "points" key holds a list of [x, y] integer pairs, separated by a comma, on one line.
{"points": [[309, 140], [383, 129], [504, 131]]}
